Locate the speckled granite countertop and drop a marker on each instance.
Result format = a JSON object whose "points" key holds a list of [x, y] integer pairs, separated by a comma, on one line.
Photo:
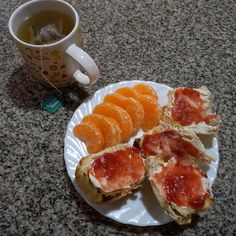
{"points": [[178, 43]]}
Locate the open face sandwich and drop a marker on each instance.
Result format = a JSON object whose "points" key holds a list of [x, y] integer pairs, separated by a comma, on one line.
{"points": [[173, 158]]}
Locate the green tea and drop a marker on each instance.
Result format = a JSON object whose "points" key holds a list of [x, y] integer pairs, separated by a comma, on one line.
{"points": [[45, 27]]}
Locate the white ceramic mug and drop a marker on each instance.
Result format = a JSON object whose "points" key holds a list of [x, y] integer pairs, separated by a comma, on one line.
{"points": [[59, 63]]}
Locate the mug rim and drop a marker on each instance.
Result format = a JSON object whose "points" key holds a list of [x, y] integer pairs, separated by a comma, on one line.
{"points": [[16, 11]]}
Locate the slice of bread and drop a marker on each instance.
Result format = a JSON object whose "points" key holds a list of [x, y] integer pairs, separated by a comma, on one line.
{"points": [[202, 128], [93, 188], [203, 157], [152, 144], [181, 213]]}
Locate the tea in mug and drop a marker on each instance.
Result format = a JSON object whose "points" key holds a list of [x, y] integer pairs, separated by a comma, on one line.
{"points": [[45, 27]]}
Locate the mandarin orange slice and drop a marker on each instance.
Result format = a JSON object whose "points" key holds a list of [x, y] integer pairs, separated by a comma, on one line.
{"points": [[91, 135], [127, 92], [145, 89], [110, 129], [133, 107], [152, 112], [119, 114]]}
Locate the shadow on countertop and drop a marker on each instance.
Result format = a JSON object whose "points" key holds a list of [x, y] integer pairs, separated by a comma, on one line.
{"points": [[27, 92]]}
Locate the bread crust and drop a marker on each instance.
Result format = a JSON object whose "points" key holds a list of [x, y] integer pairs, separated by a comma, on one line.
{"points": [[201, 128], [94, 193]]}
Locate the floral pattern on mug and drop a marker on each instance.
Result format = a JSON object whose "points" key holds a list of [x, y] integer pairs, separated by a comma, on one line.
{"points": [[47, 65]]}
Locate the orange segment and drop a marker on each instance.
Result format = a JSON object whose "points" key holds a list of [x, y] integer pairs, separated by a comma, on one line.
{"points": [[133, 107], [152, 112], [127, 92], [145, 89], [110, 129], [119, 114], [91, 135]]}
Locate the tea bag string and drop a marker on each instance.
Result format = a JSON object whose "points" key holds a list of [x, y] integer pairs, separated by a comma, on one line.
{"points": [[42, 69]]}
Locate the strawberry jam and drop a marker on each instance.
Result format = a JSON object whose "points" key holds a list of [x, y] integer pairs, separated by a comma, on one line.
{"points": [[168, 143], [119, 169], [189, 107], [182, 184]]}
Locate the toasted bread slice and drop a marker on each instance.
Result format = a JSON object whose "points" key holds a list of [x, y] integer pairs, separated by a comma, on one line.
{"points": [[178, 141], [200, 127], [111, 174], [180, 187]]}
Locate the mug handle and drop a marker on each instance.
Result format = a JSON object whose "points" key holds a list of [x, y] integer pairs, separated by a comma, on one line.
{"points": [[86, 62]]}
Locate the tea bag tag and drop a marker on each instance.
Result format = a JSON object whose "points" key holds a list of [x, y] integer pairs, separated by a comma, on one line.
{"points": [[52, 103]]}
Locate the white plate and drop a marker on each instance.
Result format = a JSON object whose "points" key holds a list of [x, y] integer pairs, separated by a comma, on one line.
{"points": [[142, 208]]}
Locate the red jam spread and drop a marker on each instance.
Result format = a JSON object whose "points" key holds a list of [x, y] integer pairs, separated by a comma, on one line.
{"points": [[168, 143], [119, 169], [189, 107], [182, 185]]}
